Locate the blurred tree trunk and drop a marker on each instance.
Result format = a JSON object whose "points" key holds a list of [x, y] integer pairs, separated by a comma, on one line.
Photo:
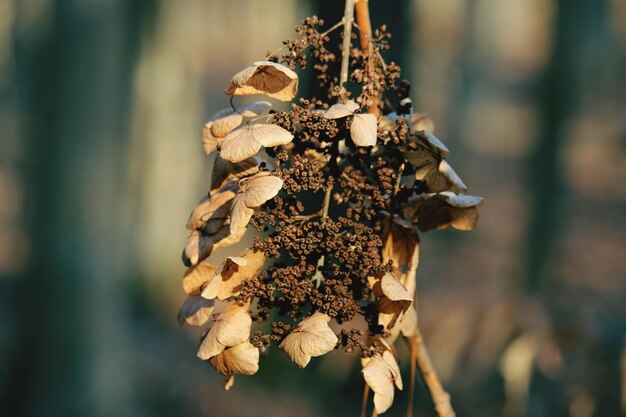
{"points": [[75, 91], [556, 96]]}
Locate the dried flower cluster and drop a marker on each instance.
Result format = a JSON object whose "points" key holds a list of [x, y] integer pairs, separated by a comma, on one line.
{"points": [[337, 196]]}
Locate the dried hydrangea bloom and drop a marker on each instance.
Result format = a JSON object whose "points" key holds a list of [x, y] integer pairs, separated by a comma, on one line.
{"points": [[338, 195]]}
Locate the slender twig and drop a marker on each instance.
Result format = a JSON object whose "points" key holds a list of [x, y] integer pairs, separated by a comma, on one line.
{"points": [[409, 407], [348, 18], [440, 397], [333, 27], [366, 391], [365, 36]]}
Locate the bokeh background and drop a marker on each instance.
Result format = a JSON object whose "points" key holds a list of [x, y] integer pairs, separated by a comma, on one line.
{"points": [[102, 103]]}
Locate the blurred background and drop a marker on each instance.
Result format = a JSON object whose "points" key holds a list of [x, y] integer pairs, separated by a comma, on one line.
{"points": [[102, 104]]}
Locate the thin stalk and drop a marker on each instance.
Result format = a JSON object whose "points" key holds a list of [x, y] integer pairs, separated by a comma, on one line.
{"points": [[348, 18], [366, 391], [440, 397]]}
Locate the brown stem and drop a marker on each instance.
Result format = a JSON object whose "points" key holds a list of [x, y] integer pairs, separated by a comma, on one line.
{"points": [[366, 391], [440, 397], [409, 407], [365, 36]]}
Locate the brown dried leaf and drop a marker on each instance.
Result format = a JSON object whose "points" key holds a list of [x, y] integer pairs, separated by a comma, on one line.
{"points": [[265, 77], [222, 127], [240, 215], [254, 191], [210, 142], [255, 109], [363, 130], [381, 372], [242, 359], [260, 188], [408, 323], [402, 248], [440, 210], [229, 328], [195, 311], [212, 210], [392, 297], [196, 277], [231, 274], [224, 171], [312, 337], [246, 141], [200, 245]]}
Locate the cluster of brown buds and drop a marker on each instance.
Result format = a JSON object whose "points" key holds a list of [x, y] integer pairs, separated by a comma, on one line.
{"points": [[337, 195]]}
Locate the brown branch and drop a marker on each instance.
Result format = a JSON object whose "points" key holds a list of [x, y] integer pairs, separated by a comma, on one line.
{"points": [[440, 397], [365, 36]]}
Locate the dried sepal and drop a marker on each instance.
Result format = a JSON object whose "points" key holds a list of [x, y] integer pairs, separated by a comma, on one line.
{"points": [[381, 373], [196, 277], [392, 297], [363, 130], [229, 328], [253, 192], [230, 275], [210, 213], [265, 77], [311, 337], [341, 110], [402, 249], [223, 126], [210, 143], [225, 171], [196, 311], [440, 210], [199, 246], [242, 359], [255, 109], [247, 141]]}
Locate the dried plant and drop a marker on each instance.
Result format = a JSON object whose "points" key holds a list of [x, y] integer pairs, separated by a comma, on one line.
{"points": [[337, 199]]}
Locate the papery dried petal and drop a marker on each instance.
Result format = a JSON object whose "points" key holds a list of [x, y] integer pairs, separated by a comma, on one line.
{"points": [[196, 311], [212, 209], [230, 328], [438, 211], [340, 110], [246, 141], [197, 276], [265, 77], [222, 127], [312, 337], [379, 378], [210, 142], [231, 274], [225, 171], [363, 130], [260, 188], [242, 359]]}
